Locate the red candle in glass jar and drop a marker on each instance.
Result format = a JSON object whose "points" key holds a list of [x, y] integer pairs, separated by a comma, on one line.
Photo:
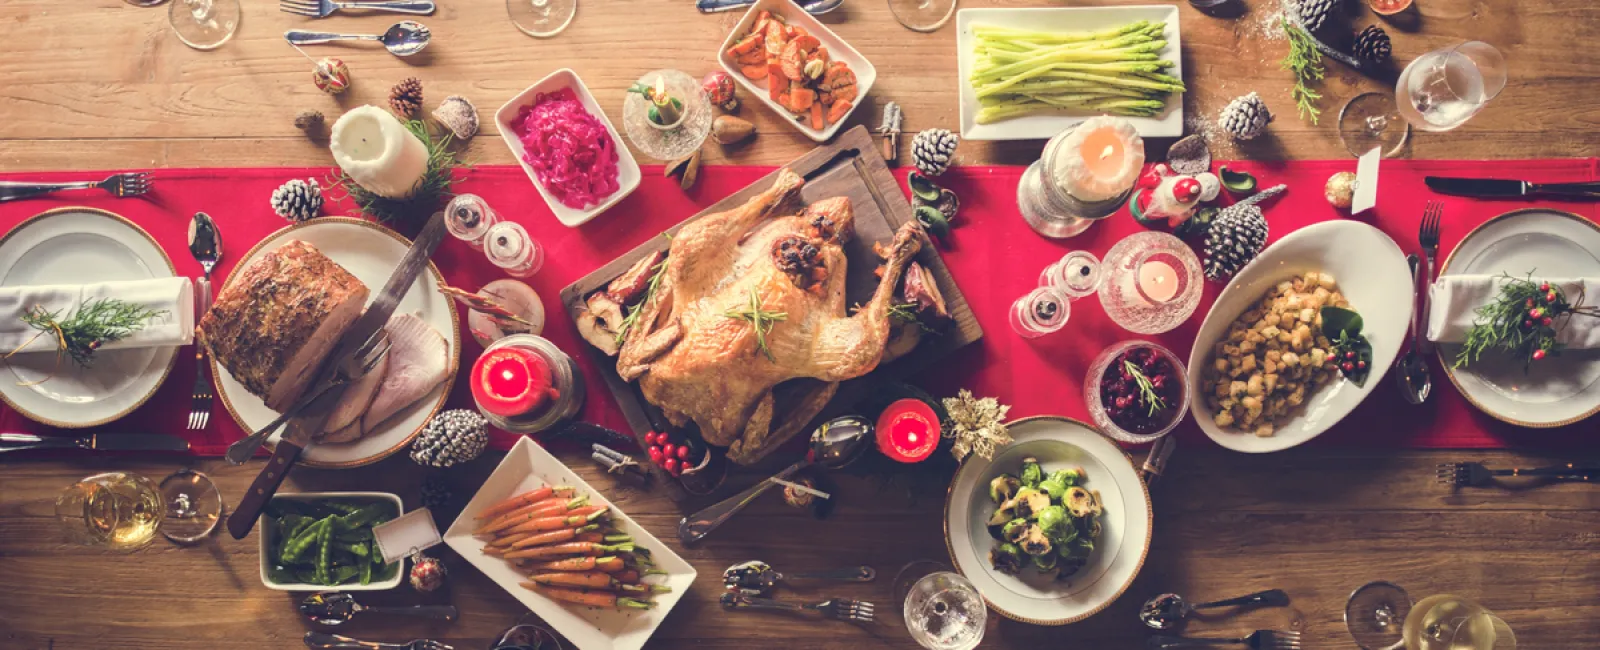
{"points": [[908, 431], [511, 382], [1388, 7]]}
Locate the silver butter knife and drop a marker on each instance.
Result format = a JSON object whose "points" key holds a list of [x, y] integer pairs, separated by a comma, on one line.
{"points": [[95, 442], [1497, 188], [813, 7]]}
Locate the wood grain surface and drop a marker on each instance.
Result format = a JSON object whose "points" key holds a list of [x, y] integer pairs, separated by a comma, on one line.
{"points": [[101, 84]]}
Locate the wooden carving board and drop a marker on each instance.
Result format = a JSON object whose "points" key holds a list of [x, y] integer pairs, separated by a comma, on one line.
{"points": [[850, 167]]}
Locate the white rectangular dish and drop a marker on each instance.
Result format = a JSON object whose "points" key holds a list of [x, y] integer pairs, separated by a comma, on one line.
{"points": [[838, 50], [528, 466], [268, 532], [628, 175], [1168, 124]]}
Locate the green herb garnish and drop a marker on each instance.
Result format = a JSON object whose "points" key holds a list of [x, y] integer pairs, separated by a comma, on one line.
{"points": [[1524, 321], [1147, 390], [760, 319], [1305, 60], [93, 324], [430, 190]]}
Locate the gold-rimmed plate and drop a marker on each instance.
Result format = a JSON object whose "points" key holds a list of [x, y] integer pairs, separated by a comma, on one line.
{"points": [[82, 246], [1058, 443], [1561, 389], [371, 253]]}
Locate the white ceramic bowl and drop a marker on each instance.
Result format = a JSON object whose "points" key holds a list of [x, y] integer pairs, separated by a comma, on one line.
{"points": [[628, 174], [838, 50], [1370, 270], [268, 534]]}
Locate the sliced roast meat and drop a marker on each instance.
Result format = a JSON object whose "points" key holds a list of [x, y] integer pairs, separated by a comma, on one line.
{"points": [[354, 402], [419, 360]]}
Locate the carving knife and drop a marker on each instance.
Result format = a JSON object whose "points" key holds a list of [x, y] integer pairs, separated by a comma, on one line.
{"points": [[95, 442], [1496, 188], [299, 433]]}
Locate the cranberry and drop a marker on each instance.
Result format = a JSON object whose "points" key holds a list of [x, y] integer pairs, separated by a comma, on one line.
{"points": [[1361, 364], [1348, 367], [1550, 297], [1530, 303], [1350, 355], [683, 452], [669, 450], [655, 454], [1527, 323], [1547, 321], [670, 464], [1538, 354], [1544, 287], [1535, 313]]}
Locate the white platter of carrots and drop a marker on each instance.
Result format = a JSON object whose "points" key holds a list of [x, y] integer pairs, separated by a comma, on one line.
{"points": [[817, 99], [574, 559]]}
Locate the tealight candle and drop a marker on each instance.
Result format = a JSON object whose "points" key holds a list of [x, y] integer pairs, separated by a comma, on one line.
{"points": [[665, 106], [1158, 282], [1100, 159], [908, 431], [378, 152]]}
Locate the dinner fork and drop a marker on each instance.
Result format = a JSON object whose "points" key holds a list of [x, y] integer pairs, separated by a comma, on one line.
{"points": [[1428, 237], [351, 369], [119, 185], [324, 8], [843, 609], [201, 398], [1476, 475], [325, 641], [1259, 640]]}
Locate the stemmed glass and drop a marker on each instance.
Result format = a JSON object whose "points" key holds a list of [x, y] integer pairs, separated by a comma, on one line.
{"points": [[144, 3], [922, 15], [204, 24], [541, 18], [124, 511], [1439, 91], [1374, 615], [942, 611]]}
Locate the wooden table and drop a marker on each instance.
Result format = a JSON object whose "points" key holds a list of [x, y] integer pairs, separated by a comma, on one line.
{"points": [[96, 84]]}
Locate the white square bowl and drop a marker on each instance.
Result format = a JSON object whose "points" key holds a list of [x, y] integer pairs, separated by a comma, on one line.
{"points": [[1167, 124], [526, 467], [838, 50], [628, 174], [268, 533]]}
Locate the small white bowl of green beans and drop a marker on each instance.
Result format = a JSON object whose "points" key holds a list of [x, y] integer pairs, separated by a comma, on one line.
{"points": [[322, 541]]}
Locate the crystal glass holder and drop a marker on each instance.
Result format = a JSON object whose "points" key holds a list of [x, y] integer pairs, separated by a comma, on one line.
{"points": [[674, 142], [1126, 292], [1049, 208]]}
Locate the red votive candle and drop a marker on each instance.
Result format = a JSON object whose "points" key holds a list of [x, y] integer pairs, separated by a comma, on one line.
{"points": [[511, 381], [908, 431]]}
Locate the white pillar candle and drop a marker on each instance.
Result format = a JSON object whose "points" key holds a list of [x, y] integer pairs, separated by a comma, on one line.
{"points": [[378, 152], [1101, 159]]}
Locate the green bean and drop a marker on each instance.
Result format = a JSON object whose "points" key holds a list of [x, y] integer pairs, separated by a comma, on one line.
{"points": [[296, 547], [325, 538], [341, 575], [366, 568]]}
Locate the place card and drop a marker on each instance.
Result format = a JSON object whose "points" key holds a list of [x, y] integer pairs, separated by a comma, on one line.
{"points": [[406, 535], [1366, 185]]}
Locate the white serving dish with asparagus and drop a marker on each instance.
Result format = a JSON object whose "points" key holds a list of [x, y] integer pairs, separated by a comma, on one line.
{"points": [[1029, 73]]}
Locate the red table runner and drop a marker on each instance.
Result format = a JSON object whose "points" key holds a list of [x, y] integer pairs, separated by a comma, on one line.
{"points": [[993, 255]]}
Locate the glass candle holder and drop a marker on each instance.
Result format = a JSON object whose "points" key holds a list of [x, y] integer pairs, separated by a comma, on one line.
{"points": [[469, 218], [565, 378], [1042, 311], [1107, 382], [676, 140], [1152, 283], [1049, 207], [509, 247], [1076, 274]]}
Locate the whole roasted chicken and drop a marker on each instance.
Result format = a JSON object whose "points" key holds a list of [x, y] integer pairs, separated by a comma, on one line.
{"points": [[748, 334]]}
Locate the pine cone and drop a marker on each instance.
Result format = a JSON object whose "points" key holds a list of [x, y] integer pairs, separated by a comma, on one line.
{"points": [[1372, 45], [1237, 234], [308, 120], [297, 200], [932, 151], [1314, 13], [1245, 117], [451, 438], [406, 97]]}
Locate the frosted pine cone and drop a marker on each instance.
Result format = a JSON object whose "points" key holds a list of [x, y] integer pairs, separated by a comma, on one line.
{"points": [[1314, 14], [933, 150], [298, 200], [451, 438], [1246, 117], [1236, 236]]}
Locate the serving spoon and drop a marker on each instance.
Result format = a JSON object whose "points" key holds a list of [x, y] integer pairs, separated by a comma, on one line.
{"points": [[1412, 375], [404, 38], [334, 608], [1164, 612]]}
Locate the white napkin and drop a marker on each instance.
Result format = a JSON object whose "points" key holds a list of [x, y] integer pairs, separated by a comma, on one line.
{"points": [[1456, 298], [175, 296]]}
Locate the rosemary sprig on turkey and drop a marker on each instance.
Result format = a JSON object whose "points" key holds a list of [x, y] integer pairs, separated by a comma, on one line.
{"points": [[760, 319]]}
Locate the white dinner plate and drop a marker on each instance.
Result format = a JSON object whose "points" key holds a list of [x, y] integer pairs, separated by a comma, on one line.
{"points": [[527, 467], [1561, 389], [1371, 272], [82, 246], [370, 252], [1059, 443], [1167, 124]]}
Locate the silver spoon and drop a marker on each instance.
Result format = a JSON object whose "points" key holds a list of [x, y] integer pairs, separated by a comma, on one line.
{"points": [[1164, 612], [813, 7], [757, 578], [1412, 375], [835, 444], [205, 242], [334, 608], [404, 38]]}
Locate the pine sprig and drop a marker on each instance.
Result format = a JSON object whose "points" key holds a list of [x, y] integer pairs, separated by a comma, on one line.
{"points": [[1305, 60], [1147, 390], [93, 324], [432, 189], [760, 319], [1523, 321]]}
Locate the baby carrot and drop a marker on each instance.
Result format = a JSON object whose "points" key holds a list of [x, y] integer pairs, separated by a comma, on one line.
{"points": [[557, 536], [632, 576], [643, 590], [578, 517], [545, 508], [569, 564], [592, 580], [571, 548], [523, 499], [587, 597]]}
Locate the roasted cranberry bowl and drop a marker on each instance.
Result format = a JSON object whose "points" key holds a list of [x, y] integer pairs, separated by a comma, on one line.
{"points": [[1136, 391]]}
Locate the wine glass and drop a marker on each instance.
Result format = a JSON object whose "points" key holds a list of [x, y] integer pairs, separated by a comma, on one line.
{"points": [[1444, 88], [123, 511], [942, 611], [193, 506], [922, 15], [541, 18], [144, 3], [1374, 614], [1446, 622], [1373, 120], [204, 24]]}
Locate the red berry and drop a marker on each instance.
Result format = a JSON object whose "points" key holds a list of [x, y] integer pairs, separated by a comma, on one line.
{"points": [[1361, 364], [683, 452], [1538, 354], [1535, 313], [1527, 323], [1348, 367], [669, 450], [1350, 355], [1530, 303], [670, 464], [650, 438], [677, 470], [1544, 287], [1550, 297], [1547, 320], [655, 454]]}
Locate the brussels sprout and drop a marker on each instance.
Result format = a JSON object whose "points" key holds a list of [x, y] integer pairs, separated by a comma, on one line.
{"points": [[1003, 487], [1079, 502], [1032, 474], [1068, 566], [1006, 512], [1045, 563], [1029, 501], [1096, 507], [1080, 547], [1053, 519], [1092, 528], [1054, 486], [1014, 530], [1006, 558], [1034, 542], [997, 531]]}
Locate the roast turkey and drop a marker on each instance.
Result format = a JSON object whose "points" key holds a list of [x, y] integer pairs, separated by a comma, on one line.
{"points": [[699, 360]]}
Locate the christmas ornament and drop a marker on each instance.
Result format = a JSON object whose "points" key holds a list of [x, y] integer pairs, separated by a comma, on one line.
{"points": [[728, 129], [1173, 200], [436, 493], [719, 89], [427, 574], [405, 98], [459, 115], [331, 75], [297, 200], [1246, 117], [1372, 45], [977, 425], [1313, 14], [1189, 155], [451, 438], [1237, 234], [309, 121], [798, 498], [1237, 182], [1340, 190], [932, 151]]}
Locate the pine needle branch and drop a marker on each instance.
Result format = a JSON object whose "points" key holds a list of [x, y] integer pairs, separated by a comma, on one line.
{"points": [[1305, 60]]}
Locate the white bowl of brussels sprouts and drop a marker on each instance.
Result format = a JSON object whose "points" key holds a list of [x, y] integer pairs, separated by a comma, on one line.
{"points": [[1053, 528]]}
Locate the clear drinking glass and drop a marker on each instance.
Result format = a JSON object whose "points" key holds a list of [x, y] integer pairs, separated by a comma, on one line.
{"points": [[1374, 615], [541, 18], [509, 247], [1153, 282], [1373, 120], [204, 24], [469, 217], [922, 15], [1446, 622], [116, 509], [1444, 88], [943, 611], [193, 506]]}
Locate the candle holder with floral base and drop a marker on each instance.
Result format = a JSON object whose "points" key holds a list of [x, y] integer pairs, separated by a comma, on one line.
{"points": [[1084, 175], [1152, 283], [667, 114]]}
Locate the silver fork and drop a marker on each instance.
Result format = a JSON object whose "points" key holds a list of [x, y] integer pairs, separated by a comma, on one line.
{"points": [[325, 641], [350, 370], [201, 398], [1258, 640], [843, 609], [324, 8], [1476, 475], [119, 185], [1428, 237]]}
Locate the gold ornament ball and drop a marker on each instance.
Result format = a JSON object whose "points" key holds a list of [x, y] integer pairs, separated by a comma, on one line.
{"points": [[1341, 190], [331, 76]]}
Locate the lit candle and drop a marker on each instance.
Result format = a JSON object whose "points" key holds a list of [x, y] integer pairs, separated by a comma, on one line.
{"points": [[378, 152], [908, 431], [512, 381], [666, 109], [1101, 159], [1158, 282]]}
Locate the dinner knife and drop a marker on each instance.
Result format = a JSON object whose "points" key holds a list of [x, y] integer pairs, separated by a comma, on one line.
{"points": [[299, 433], [1496, 188], [95, 442]]}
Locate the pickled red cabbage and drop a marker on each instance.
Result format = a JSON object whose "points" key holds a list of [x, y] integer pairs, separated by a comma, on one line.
{"points": [[571, 152]]}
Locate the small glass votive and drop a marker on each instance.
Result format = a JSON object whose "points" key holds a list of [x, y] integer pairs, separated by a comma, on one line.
{"points": [[469, 218], [1076, 274], [1152, 283], [1118, 400], [1044, 310], [565, 378], [509, 247]]}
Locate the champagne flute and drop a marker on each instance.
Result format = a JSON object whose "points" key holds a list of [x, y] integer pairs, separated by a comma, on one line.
{"points": [[204, 24], [922, 15], [1447, 622], [541, 18]]}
